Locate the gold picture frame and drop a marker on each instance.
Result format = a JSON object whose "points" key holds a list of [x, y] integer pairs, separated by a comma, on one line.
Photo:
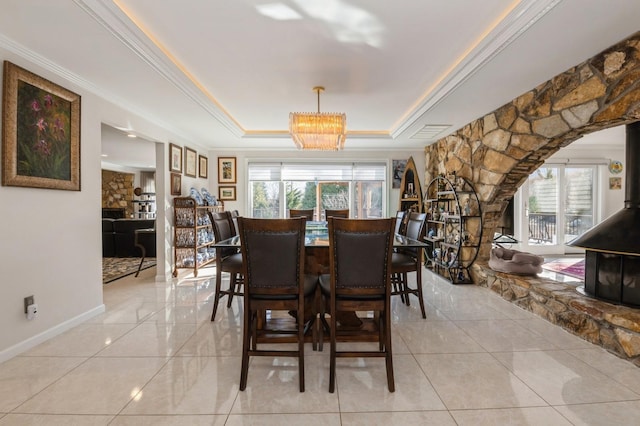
{"points": [[203, 166], [226, 169], [175, 158], [40, 132], [227, 193], [190, 162]]}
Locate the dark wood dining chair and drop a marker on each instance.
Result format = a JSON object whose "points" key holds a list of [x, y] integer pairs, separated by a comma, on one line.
{"points": [[343, 213], [306, 213], [275, 279], [360, 262], [409, 259], [227, 260]]}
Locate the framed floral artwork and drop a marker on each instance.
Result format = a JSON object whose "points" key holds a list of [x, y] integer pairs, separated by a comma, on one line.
{"points": [[203, 166], [176, 184], [40, 132], [175, 158], [227, 193], [226, 169], [190, 162]]}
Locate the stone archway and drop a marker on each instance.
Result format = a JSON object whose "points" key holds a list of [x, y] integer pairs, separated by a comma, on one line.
{"points": [[498, 151]]}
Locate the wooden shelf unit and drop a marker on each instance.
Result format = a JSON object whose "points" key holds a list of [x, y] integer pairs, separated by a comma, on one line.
{"points": [[193, 234], [410, 189]]}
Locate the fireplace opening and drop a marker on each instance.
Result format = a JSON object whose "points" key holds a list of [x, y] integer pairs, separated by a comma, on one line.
{"points": [[612, 259], [613, 277]]}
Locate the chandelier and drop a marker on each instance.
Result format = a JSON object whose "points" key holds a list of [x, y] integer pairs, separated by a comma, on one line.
{"points": [[318, 131]]}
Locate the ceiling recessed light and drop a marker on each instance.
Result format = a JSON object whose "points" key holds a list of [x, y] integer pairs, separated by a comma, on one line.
{"points": [[131, 135], [104, 155]]}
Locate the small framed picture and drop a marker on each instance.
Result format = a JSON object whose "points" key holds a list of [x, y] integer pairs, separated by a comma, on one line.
{"points": [[615, 183], [190, 162], [227, 193], [175, 158], [203, 169], [227, 170], [176, 184], [398, 170]]}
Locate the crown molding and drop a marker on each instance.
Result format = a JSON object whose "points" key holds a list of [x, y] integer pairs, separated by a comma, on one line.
{"points": [[114, 19], [45, 63]]}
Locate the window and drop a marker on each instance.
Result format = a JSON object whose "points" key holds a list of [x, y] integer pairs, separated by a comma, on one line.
{"points": [[274, 188]]}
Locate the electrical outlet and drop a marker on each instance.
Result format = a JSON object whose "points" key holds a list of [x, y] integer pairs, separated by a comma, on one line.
{"points": [[29, 300]]}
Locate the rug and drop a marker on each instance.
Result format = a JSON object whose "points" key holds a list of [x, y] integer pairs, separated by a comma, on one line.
{"points": [[572, 267], [114, 268]]}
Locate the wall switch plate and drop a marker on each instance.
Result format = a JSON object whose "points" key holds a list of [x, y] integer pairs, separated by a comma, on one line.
{"points": [[29, 300]]}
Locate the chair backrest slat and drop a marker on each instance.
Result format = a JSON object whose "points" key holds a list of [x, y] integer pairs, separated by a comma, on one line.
{"points": [[306, 213], [343, 213]]}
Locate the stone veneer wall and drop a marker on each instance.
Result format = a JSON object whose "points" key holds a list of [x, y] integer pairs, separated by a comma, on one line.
{"points": [[615, 328], [117, 190], [498, 152]]}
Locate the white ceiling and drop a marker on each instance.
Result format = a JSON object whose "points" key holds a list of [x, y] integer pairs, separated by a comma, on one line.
{"points": [[225, 75]]}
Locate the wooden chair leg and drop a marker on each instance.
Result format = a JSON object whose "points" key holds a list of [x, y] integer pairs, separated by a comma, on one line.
{"points": [[332, 355], [246, 337], [405, 287], [217, 293], [300, 319], [419, 288], [388, 358], [232, 288]]}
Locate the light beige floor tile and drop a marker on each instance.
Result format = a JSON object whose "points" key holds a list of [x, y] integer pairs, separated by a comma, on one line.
{"points": [[329, 419], [510, 310], [561, 378], [361, 384], [190, 385], [53, 420], [178, 420], [605, 414], [535, 416], [436, 337], [461, 309], [99, 386], [23, 377], [127, 312], [620, 370], [214, 339], [181, 314], [83, 340], [423, 418], [149, 339], [272, 387], [503, 335], [398, 344], [477, 380], [401, 313], [560, 337]]}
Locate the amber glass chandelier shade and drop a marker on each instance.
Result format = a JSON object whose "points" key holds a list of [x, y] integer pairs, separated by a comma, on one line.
{"points": [[318, 131]]}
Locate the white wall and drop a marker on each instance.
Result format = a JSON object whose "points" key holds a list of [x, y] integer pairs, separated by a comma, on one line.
{"points": [[51, 239], [244, 157]]}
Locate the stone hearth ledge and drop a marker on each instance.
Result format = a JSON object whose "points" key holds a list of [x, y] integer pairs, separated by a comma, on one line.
{"points": [[613, 327]]}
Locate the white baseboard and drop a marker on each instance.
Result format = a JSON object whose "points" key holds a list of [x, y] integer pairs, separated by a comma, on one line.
{"points": [[31, 342]]}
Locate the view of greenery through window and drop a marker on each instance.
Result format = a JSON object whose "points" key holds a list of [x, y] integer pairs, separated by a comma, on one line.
{"points": [[272, 197]]}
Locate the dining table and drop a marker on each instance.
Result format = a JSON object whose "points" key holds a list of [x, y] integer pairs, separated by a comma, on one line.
{"points": [[316, 243]]}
